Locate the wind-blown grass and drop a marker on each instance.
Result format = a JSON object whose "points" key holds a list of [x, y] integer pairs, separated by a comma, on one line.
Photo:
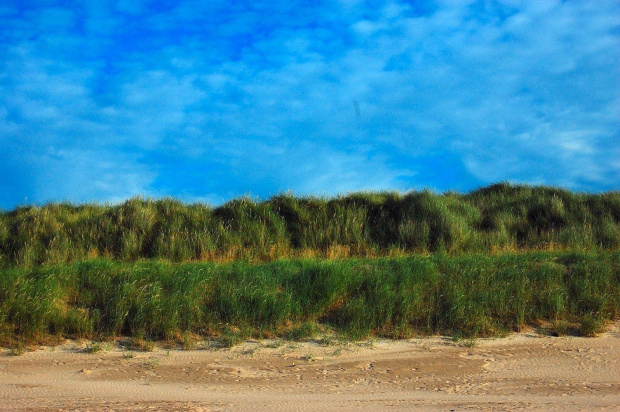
{"points": [[474, 264], [463, 295], [501, 217]]}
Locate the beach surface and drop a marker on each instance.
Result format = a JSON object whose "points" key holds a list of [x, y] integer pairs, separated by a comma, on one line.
{"points": [[521, 371]]}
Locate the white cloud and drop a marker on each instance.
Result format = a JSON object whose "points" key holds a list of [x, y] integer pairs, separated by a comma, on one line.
{"points": [[511, 90], [84, 176]]}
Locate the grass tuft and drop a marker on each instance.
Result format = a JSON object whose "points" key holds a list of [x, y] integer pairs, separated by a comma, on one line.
{"points": [[591, 325]]}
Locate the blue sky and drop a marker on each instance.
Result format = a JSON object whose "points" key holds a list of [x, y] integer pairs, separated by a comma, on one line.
{"points": [[210, 100]]}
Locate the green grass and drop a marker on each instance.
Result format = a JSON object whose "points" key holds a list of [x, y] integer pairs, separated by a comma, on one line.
{"points": [[465, 296], [383, 264], [94, 347], [500, 217]]}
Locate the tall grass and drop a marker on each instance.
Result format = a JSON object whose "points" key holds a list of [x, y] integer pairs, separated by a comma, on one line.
{"points": [[466, 295], [501, 217]]}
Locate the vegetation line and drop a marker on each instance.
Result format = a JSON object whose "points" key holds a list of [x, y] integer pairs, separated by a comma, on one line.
{"points": [[463, 295]]}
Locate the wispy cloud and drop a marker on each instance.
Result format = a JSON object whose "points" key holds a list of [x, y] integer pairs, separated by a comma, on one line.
{"points": [[209, 100]]}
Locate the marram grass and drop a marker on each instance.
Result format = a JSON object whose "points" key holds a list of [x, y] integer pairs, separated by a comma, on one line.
{"points": [[502, 217], [474, 264], [462, 295]]}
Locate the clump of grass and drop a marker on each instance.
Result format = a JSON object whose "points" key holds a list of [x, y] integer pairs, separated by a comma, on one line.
{"points": [[466, 342], [308, 357], [591, 325], [94, 347], [152, 362], [337, 352], [274, 344], [562, 327], [328, 340], [188, 341], [470, 343], [302, 331], [140, 344], [18, 350], [230, 337]]}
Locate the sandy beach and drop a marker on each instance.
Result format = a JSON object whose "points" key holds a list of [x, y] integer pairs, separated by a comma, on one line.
{"points": [[521, 371]]}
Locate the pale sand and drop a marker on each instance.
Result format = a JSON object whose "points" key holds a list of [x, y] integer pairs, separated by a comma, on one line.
{"points": [[522, 371]]}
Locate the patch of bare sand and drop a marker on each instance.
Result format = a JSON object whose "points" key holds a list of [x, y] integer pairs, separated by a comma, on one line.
{"points": [[522, 371]]}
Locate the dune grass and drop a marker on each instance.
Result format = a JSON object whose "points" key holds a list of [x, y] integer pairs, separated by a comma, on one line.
{"points": [[385, 264], [501, 217], [461, 295]]}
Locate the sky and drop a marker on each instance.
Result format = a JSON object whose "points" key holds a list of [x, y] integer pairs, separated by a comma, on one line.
{"points": [[206, 101]]}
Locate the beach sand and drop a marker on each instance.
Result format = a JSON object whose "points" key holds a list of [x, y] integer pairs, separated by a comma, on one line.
{"points": [[521, 371]]}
